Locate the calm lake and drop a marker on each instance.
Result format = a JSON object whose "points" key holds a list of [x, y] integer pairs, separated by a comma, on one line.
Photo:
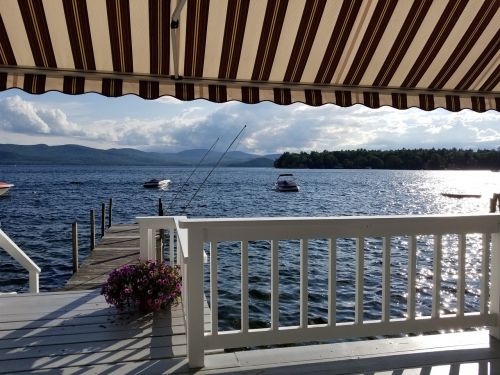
{"points": [[37, 214]]}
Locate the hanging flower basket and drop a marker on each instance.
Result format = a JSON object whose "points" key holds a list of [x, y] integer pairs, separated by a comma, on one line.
{"points": [[147, 286]]}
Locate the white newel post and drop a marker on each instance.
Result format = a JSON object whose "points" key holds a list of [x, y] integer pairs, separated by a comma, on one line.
{"points": [[146, 244], [495, 283], [34, 281], [195, 319]]}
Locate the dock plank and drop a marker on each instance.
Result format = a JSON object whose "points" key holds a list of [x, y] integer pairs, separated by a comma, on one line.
{"points": [[118, 246]]}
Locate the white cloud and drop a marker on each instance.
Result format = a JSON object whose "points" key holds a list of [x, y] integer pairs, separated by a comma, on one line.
{"points": [[168, 100], [270, 128], [20, 116]]}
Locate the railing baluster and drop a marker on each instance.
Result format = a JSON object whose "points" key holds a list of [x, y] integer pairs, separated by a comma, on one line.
{"points": [[275, 319], [152, 247], [436, 263], [360, 257], [304, 297], [412, 262], [332, 281], [386, 279], [171, 246], [485, 261], [214, 308], [462, 241], [178, 246], [244, 286]]}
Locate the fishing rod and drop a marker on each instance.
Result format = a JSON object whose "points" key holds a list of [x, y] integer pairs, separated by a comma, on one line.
{"points": [[194, 170], [208, 175]]}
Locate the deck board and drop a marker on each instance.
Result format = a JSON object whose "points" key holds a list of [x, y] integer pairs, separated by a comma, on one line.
{"points": [[119, 246], [37, 332], [99, 339], [75, 331]]}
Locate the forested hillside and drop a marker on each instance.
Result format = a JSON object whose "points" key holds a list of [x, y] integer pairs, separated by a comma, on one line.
{"points": [[394, 159]]}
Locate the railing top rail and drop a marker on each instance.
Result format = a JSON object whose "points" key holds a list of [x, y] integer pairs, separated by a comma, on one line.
{"points": [[204, 222], [182, 237], [348, 226], [15, 252], [158, 222]]}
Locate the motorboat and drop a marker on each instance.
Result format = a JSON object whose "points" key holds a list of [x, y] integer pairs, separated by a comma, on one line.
{"points": [[156, 183], [286, 182], [4, 187]]}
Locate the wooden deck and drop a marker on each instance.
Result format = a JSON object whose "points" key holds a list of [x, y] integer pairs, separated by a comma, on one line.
{"points": [[76, 331], [119, 246]]}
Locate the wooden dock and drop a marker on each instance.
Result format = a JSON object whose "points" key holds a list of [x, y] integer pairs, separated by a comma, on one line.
{"points": [[75, 331], [119, 246]]}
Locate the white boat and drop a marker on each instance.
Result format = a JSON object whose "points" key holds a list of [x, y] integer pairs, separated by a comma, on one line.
{"points": [[156, 183], [4, 187], [286, 182]]}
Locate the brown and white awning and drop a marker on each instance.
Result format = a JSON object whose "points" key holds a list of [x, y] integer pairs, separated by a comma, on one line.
{"points": [[401, 53]]}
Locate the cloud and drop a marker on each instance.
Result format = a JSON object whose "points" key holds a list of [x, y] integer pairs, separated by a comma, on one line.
{"points": [[20, 116], [270, 128], [168, 100], [274, 128]]}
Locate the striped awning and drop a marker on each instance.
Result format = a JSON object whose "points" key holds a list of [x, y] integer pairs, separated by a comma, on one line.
{"points": [[402, 53]]}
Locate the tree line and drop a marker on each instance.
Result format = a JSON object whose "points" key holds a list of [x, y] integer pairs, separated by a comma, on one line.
{"points": [[393, 159]]}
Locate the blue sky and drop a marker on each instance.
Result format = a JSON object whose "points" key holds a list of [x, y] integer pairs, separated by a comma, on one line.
{"points": [[168, 125]]}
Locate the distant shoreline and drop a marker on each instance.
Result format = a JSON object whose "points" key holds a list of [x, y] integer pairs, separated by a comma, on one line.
{"points": [[404, 159], [11, 154]]}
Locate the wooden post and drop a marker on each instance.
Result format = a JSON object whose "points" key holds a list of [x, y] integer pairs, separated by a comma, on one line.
{"points": [[494, 202], [110, 214], [103, 219], [195, 318], [161, 232], [92, 230], [495, 283], [74, 230], [160, 207]]}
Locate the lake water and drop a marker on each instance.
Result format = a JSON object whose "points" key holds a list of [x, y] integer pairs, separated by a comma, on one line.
{"points": [[37, 214]]}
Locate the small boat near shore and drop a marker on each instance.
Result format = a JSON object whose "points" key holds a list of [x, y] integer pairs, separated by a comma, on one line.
{"points": [[156, 183], [5, 187], [460, 196], [286, 183]]}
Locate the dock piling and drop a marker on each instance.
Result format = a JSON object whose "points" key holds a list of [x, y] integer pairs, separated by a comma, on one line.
{"points": [[74, 230], [92, 229], [103, 219], [110, 214], [494, 202], [161, 232]]}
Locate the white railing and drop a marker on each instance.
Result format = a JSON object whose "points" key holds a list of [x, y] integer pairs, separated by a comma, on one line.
{"points": [[15, 252], [194, 233]]}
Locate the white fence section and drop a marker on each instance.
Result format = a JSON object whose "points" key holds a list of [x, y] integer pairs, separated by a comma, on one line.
{"points": [[193, 234], [15, 252]]}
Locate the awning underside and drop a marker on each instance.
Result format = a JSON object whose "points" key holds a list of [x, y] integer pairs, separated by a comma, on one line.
{"points": [[425, 54]]}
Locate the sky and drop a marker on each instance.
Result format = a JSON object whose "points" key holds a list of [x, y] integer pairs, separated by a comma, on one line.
{"points": [[169, 125]]}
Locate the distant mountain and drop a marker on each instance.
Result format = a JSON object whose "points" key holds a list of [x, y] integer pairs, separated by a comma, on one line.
{"points": [[257, 162], [75, 155]]}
